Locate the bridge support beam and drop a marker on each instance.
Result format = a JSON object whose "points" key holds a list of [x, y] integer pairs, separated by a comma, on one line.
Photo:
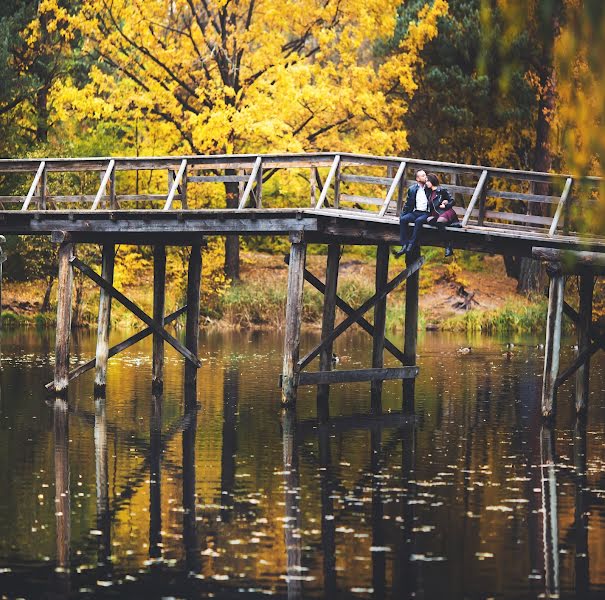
{"points": [[412, 287], [553, 340], [64, 314], [327, 326], [159, 300], [294, 305], [380, 315], [584, 342], [192, 328], [102, 354]]}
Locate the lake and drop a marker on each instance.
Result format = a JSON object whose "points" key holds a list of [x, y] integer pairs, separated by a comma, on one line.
{"points": [[221, 495]]}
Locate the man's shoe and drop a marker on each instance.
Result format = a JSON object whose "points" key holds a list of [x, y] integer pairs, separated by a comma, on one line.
{"points": [[449, 251], [401, 251]]}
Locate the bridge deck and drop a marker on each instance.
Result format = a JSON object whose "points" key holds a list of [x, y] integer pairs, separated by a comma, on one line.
{"points": [[323, 226]]}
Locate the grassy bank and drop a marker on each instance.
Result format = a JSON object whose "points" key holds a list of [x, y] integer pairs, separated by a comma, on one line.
{"points": [[259, 299]]}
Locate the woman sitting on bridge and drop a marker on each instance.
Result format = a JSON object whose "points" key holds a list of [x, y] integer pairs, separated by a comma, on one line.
{"points": [[416, 210], [442, 211]]}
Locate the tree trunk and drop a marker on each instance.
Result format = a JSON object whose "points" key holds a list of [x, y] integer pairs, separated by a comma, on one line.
{"points": [[232, 241], [46, 302], [531, 273], [513, 266]]}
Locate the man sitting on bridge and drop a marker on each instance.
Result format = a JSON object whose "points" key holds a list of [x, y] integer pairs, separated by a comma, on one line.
{"points": [[416, 210]]}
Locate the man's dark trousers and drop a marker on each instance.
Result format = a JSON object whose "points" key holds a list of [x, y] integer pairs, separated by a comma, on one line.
{"points": [[418, 217]]}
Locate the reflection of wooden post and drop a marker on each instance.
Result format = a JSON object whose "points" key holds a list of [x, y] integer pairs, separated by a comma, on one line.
{"points": [[410, 329], [229, 448], [553, 342], [192, 330], [581, 511], [189, 482], [64, 297], [379, 561], [327, 325], [550, 525], [159, 299], [62, 498], [583, 326], [380, 314], [102, 481], [2, 260], [155, 490], [328, 522], [104, 319], [294, 305], [292, 498]]}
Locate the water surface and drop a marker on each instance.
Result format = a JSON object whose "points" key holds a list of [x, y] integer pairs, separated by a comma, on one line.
{"points": [[220, 495]]}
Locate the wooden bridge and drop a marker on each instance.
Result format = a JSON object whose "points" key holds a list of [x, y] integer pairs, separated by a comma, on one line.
{"points": [[331, 199]]}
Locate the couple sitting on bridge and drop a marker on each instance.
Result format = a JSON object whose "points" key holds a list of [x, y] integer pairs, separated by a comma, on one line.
{"points": [[427, 202]]}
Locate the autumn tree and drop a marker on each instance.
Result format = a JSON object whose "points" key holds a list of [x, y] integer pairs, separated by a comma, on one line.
{"points": [[235, 76]]}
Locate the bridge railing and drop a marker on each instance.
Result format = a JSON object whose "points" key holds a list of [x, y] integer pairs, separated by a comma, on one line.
{"points": [[368, 186]]}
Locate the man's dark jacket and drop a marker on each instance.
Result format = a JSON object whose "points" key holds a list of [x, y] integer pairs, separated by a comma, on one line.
{"points": [[441, 194]]}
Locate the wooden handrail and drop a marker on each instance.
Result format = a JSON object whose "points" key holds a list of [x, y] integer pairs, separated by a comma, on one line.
{"points": [[34, 185], [560, 207], [476, 196], [328, 181], [391, 192], [103, 186], [175, 185], [251, 179]]}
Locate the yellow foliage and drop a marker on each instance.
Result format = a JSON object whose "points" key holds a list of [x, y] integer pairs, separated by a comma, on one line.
{"points": [[250, 76]]}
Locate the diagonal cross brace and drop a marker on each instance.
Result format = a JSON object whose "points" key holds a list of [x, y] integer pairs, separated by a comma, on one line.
{"points": [[349, 310], [138, 312], [131, 341], [357, 314]]}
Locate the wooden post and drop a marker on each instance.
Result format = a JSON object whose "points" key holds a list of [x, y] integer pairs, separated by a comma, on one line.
{"points": [[583, 326], [294, 304], [184, 204], [43, 190], [337, 186], [62, 495], [380, 314], [2, 261], [327, 325], [313, 184], [410, 329], [482, 203], [192, 328], [104, 318], [159, 298], [259, 187], [113, 203], [553, 341], [65, 281]]}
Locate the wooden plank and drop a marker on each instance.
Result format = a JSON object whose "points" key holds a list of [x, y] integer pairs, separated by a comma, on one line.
{"points": [[64, 314], [553, 343], [124, 345], [33, 186], [362, 199], [346, 178], [476, 195], [356, 375], [250, 184], [570, 259], [560, 207], [517, 218], [327, 183], [138, 312], [218, 178], [294, 305], [175, 185], [192, 327], [380, 316], [103, 186], [522, 196], [584, 343], [369, 303], [582, 357], [412, 287], [159, 300], [258, 190], [327, 324], [398, 177], [313, 185], [104, 317]]}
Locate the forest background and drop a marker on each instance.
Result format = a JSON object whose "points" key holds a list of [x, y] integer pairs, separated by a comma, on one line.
{"points": [[494, 82]]}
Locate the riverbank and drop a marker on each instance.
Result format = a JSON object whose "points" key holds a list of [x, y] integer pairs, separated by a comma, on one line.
{"points": [[471, 293]]}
